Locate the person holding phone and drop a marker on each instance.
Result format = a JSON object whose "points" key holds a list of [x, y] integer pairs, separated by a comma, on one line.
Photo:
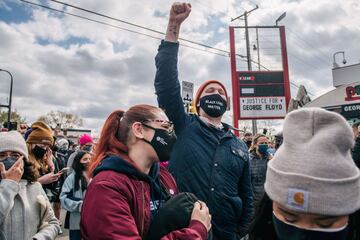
{"points": [[25, 211], [40, 142]]}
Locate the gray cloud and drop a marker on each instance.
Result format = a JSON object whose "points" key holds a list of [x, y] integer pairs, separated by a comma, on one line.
{"points": [[110, 69]]}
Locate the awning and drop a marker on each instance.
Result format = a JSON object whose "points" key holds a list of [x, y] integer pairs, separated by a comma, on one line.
{"points": [[345, 100]]}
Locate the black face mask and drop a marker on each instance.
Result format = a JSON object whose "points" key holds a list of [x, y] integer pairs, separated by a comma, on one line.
{"points": [[285, 232], [83, 166], [213, 105], [162, 142], [39, 152], [87, 148], [9, 162]]}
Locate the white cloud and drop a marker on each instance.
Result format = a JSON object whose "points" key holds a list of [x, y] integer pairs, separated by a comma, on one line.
{"points": [[71, 64]]}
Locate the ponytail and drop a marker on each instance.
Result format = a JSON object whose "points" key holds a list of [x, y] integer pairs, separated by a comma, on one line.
{"points": [[115, 133]]}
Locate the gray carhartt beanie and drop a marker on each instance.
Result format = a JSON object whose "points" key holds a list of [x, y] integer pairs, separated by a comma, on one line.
{"points": [[13, 141], [313, 171]]}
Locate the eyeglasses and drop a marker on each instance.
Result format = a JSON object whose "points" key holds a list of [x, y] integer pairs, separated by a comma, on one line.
{"points": [[168, 125], [3, 155]]}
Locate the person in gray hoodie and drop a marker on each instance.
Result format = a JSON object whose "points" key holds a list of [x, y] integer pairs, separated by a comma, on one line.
{"points": [[25, 211], [73, 192]]}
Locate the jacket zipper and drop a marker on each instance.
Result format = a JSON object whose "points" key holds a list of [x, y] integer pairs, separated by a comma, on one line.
{"points": [[143, 210]]}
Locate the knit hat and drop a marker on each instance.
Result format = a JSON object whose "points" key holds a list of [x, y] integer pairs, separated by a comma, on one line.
{"points": [[14, 142], [41, 133], [201, 89], [62, 143], [313, 171], [84, 139]]}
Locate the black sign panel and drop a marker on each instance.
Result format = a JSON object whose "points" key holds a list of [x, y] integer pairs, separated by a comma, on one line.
{"points": [[260, 77], [351, 110], [262, 94], [262, 91]]}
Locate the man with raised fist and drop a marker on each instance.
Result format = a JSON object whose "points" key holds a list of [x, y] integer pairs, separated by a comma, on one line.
{"points": [[208, 159]]}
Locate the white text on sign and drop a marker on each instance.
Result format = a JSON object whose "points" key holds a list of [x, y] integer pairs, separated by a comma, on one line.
{"points": [[262, 107]]}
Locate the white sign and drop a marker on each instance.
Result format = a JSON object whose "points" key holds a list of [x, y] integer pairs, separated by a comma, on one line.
{"points": [[187, 91], [247, 90], [345, 75], [260, 107]]}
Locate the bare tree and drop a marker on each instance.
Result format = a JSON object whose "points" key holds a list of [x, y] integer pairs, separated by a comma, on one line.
{"points": [[62, 119], [14, 117], [245, 126], [269, 125]]}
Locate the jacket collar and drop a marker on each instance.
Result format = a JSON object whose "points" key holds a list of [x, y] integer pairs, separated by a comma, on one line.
{"points": [[120, 165]]}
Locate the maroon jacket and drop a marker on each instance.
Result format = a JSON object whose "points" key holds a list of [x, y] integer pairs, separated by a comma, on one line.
{"points": [[117, 204]]}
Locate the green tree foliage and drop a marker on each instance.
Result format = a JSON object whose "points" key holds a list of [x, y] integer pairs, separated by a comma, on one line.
{"points": [[14, 117]]}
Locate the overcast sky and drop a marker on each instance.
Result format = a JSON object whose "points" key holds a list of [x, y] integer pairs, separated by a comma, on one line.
{"points": [[61, 62]]}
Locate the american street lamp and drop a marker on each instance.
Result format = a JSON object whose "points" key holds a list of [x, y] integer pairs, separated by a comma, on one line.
{"points": [[282, 16], [10, 96], [335, 65]]}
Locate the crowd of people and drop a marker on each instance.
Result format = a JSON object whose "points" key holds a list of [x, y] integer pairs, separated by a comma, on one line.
{"points": [[157, 172]]}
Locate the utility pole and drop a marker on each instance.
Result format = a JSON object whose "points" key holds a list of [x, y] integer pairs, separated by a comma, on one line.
{"points": [[258, 47], [10, 97], [245, 15]]}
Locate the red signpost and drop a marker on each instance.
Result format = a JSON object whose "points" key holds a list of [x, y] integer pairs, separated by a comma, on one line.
{"points": [[259, 94]]}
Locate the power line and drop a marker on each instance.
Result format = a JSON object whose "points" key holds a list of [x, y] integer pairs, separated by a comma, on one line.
{"points": [[311, 46], [209, 7], [121, 28], [105, 16], [270, 53], [304, 62], [134, 25], [147, 35], [150, 29], [295, 85], [317, 51]]}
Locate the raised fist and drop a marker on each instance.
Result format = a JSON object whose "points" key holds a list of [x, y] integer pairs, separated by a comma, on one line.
{"points": [[179, 12]]}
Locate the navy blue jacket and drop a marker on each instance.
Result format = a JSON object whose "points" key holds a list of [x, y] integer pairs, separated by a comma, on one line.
{"points": [[214, 168]]}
